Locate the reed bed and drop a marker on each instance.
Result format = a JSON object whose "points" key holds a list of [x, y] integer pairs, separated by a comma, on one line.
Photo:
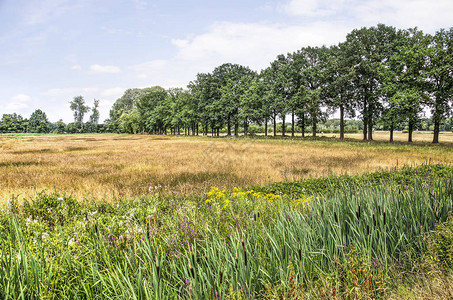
{"points": [[238, 244]]}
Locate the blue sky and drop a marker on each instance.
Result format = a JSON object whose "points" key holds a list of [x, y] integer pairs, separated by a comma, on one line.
{"points": [[54, 50]]}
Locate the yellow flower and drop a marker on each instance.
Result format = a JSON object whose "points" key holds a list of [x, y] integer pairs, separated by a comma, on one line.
{"points": [[226, 203], [209, 200], [235, 189], [234, 195]]}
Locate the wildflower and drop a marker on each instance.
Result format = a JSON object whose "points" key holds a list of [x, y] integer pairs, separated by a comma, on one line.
{"points": [[209, 200], [234, 195], [226, 203], [60, 199]]}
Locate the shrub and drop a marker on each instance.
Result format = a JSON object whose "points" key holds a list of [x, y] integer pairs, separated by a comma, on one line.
{"points": [[440, 245]]}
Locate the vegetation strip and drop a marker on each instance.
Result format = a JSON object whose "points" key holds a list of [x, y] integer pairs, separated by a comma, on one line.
{"points": [[243, 243]]}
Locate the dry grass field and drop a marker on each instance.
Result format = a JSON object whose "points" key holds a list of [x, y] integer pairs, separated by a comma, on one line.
{"points": [[109, 166]]}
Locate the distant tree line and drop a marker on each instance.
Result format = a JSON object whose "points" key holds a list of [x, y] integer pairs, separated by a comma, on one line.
{"points": [[384, 76], [38, 122]]}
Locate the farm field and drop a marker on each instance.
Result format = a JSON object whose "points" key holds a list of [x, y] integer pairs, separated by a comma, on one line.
{"points": [[128, 166]]}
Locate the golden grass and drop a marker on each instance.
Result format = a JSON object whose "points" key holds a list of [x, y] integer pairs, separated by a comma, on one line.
{"points": [[108, 166]]}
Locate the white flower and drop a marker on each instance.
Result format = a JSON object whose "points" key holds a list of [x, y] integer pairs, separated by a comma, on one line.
{"points": [[71, 242], [60, 199]]}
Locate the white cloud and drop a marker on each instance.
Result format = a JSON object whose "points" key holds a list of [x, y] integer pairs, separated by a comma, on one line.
{"points": [[427, 15], [313, 8], [150, 69], [21, 98], [104, 69], [76, 67], [71, 92], [254, 44], [115, 92], [16, 106]]}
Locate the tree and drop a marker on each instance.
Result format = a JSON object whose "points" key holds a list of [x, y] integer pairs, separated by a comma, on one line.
{"points": [[339, 90], [13, 123], [368, 50], [38, 122], [232, 80], [94, 118], [126, 103], [312, 65], [439, 77], [78, 106], [148, 108], [403, 86], [279, 79]]}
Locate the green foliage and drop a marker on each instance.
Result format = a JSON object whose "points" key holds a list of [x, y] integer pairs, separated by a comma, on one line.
{"points": [[13, 123], [38, 122], [52, 209], [78, 106], [440, 245], [428, 173]]}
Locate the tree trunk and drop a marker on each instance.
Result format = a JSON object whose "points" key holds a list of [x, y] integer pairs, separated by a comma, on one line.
{"points": [[410, 129], [365, 120], [197, 128], [436, 130], [218, 132], [303, 125], [370, 129], [341, 122], [313, 126], [391, 132], [229, 126], [236, 128], [265, 127], [283, 125], [365, 128], [245, 127], [292, 123], [275, 125]]}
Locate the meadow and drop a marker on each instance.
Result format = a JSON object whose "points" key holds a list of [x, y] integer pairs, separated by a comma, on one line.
{"points": [[78, 222], [128, 166]]}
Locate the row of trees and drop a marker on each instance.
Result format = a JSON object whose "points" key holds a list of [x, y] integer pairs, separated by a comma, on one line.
{"points": [[386, 77], [38, 122], [380, 74]]}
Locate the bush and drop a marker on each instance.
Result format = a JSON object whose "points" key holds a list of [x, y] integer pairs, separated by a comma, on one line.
{"points": [[440, 245]]}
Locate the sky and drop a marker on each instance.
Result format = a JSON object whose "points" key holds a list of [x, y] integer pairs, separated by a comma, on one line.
{"points": [[54, 50]]}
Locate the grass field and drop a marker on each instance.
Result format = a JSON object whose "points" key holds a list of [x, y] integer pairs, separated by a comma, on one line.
{"points": [[112, 166]]}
